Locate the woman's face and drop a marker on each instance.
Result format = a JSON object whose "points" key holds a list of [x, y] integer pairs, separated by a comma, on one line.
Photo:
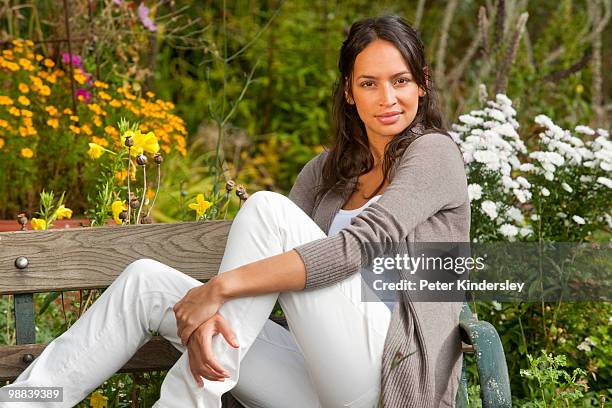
{"points": [[383, 90]]}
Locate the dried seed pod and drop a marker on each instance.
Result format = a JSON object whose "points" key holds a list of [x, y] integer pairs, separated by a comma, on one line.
{"points": [[158, 158], [146, 220], [129, 142], [229, 186], [123, 215], [141, 159], [134, 203], [241, 192]]}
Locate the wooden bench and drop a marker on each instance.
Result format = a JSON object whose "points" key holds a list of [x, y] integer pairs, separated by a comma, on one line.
{"points": [[91, 258]]}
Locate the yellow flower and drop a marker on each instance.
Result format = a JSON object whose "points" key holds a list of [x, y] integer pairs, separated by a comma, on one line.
{"points": [[63, 212], [79, 77], [111, 131], [26, 113], [14, 111], [145, 142], [75, 129], [98, 400], [115, 103], [5, 100], [26, 64], [86, 129], [27, 153], [100, 84], [105, 96], [54, 123], [122, 174], [49, 63], [99, 140], [117, 207], [45, 90], [1, 143], [95, 108], [67, 111], [579, 89], [39, 57], [74, 118], [200, 206], [51, 110], [23, 100], [23, 131], [38, 224], [23, 88], [95, 151]]}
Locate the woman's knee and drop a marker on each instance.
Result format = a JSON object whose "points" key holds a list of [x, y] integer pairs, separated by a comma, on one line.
{"points": [[143, 268], [265, 199]]}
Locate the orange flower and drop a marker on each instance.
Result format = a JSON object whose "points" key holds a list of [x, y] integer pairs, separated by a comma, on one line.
{"points": [[54, 123], [45, 90], [27, 153], [23, 100]]}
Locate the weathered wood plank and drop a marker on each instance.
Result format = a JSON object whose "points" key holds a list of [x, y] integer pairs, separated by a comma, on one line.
{"points": [[86, 258], [157, 354]]}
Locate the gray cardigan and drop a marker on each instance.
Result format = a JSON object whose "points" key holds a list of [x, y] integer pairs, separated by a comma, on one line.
{"points": [[426, 201]]}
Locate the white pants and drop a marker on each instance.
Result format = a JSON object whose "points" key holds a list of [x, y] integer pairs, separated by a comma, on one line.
{"points": [[331, 358]]}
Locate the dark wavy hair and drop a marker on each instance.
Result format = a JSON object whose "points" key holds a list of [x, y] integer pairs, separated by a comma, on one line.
{"points": [[349, 154]]}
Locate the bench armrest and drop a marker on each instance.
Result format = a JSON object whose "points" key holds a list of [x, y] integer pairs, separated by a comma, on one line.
{"points": [[490, 362]]}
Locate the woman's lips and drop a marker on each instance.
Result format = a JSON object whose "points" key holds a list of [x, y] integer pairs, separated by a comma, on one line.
{"points": [[390, 119]]}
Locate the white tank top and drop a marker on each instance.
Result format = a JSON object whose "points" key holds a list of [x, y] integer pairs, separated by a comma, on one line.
{"points": [[343, 218]]}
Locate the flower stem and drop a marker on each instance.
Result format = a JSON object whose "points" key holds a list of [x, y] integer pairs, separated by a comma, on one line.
{"points": [[128, 186], [156, 189], [144, 192]]}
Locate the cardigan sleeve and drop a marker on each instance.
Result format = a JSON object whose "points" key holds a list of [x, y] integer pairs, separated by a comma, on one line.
{"points": [[303, 191], [429, 178]]}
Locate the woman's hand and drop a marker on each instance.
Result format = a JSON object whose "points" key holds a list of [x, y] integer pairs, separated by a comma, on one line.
{"points": [[202, 363], [196, 307]]}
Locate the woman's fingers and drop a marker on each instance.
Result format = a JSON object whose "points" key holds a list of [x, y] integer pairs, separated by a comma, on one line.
{"points": [[197, 366], [226, 331], [207, 353]]}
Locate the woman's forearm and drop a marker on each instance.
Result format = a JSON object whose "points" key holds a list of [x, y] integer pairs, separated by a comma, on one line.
{"points": [[278, 273]]}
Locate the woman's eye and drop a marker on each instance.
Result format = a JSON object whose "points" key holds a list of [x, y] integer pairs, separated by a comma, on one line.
{"points": [[403, 81], [367, 84]]}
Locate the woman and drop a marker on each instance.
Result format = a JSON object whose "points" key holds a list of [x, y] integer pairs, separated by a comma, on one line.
{"points": [[395, 176]]}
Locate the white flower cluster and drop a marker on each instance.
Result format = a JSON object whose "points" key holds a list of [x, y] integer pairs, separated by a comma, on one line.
{"points": [[560, 148], [489, 142], [564, 155], [566, 166], [586, 345]]}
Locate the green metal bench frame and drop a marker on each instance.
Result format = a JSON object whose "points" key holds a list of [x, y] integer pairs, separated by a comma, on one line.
{"points": [[91, 258]]}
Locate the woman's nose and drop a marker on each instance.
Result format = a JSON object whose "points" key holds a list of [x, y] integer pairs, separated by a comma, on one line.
{"points": [[388, 96]]}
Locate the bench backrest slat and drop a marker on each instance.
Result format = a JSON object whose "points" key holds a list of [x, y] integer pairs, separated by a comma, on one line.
{"points": [[87, 258]]}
